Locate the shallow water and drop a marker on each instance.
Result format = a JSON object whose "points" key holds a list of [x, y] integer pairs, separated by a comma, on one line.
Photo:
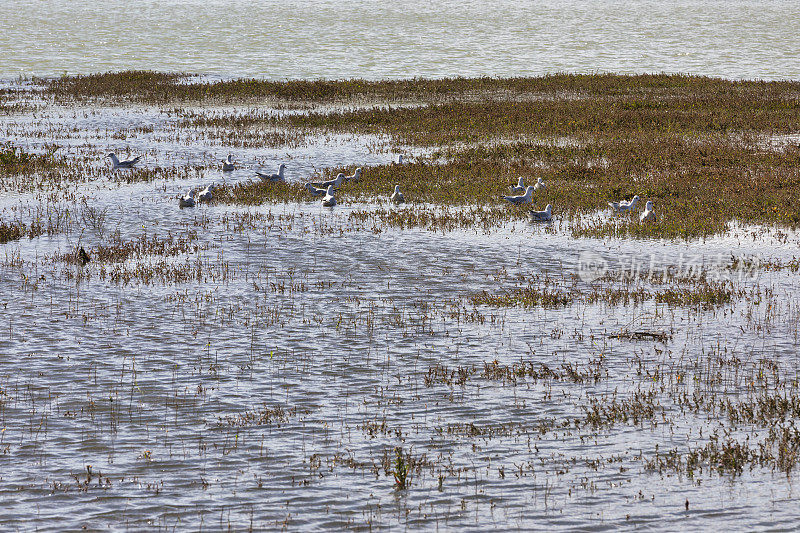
{"points": [[156, 371], [373, 39]]}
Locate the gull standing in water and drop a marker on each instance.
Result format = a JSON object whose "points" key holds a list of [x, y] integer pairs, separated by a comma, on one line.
{"points": [[314, 190], [523, 198], [128, 163], [186, 201], [206, 194], [330, 199], [519, 187], [325, 184], [539, 184], [648, 214], [355, 177], [541, 216], [273, 177], [227, 164], [397, 196], [623, 206]]}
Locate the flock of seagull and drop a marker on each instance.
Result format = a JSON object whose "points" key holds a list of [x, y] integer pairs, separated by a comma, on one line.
{"points": [[328, 189], [623, 206]]}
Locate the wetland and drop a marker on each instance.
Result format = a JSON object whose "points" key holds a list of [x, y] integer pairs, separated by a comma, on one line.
{"points": [[259, 361]]}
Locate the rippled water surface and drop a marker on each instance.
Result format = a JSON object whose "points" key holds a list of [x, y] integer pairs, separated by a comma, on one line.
{"points": [[375, 39], [261, 366], [265, 373]]}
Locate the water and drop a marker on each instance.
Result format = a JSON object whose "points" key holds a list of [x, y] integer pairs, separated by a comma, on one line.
{"points": [[374, 39], [263, 375]]}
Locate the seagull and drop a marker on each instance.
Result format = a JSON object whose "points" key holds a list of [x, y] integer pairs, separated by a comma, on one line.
{"points": [[397, 196], [128, 163], [623, 206], [355, 177], [335, 182], [648, 214], [227, 164], [539, 184], [314, 190], [330, 199], [399, 160], [541, 216], [186, 201], [205, 195], [523, 198], [273, 177], [520, 186]]}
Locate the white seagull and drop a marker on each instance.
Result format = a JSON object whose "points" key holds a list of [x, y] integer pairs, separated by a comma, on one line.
{"points": [[314, 190], [399, 160], [273, 177], [539, 184], [397, 196], [128, 163], [541, 216], [187, 201], [648, 214], [623, 206], [206, 194], [227, 164], [335, 182], [355, 177], [330, 199], [523, 198], [519, 187]]}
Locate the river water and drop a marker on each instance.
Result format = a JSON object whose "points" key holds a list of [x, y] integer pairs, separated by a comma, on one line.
{"points": [[263, 375], [375, 39]]}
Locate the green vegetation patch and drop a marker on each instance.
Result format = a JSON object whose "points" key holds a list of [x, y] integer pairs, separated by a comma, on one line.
{"points": [[17, 161], [14, 231]]}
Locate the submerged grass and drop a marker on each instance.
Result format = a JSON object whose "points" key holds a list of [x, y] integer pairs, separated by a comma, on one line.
{"points": [[117, 250], [700, 293], [14, 231]]}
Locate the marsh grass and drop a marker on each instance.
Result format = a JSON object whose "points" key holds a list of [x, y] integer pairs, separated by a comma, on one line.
{"points": [[641, 406], [14, 231], [16, 161], [156, 87], [699, 292], [400, 472], [525, 297], [705, 297], [117, 250], [256, 192], [262, 416], [693, 197], [11, 103], [699, 148]]}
